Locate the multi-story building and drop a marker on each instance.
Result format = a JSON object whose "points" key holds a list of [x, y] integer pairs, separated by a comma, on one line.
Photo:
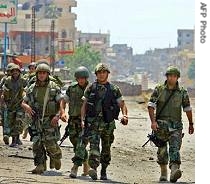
{"points": [[186, 39], [20, 34], [98, 41]]}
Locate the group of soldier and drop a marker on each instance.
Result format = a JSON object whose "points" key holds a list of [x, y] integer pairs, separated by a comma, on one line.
{"points": [[34, 103]]}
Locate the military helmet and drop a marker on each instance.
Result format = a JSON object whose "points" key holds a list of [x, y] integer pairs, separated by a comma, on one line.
{"points": [[43, 68], [81, 72], [32, 64], [9, 66], [172, 70], [41, 61], [101, 67], [15, 67]]}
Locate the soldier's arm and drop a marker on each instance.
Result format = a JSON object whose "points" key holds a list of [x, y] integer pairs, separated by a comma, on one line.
{"points": [[151, 109], [188, 110], [83, 113], [63, 116]]}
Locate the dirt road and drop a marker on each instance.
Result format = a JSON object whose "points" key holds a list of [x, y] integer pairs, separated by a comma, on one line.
{"points": [[130, 162]]}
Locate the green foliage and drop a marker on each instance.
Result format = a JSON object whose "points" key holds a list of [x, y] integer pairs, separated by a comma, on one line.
{"points": [[83, 56], [191, 70]]}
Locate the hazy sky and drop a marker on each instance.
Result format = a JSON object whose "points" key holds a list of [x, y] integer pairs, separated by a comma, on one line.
{"points": [[142, 24]]}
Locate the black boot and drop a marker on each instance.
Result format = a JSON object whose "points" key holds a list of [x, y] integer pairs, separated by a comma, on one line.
{"points": [[14, 140], [18, 141], [103, 173]]}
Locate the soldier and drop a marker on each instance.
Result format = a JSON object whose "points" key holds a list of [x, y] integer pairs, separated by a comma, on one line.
{"points": [[102, 103], [74, 96], [13, 91], [31, 72], [4, 119], [27, 77], [42, 102], [168, 99]]}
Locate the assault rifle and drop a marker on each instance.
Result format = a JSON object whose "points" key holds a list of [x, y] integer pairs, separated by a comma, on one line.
{"points": [[65, 135], [153, 138]]}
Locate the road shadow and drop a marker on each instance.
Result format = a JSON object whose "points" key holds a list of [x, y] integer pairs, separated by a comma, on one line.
{"points": [[48, 173]]}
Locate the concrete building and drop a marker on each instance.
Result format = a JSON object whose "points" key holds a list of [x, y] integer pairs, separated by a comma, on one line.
{"points": [[123, 51], [186, 39], [98, 41], [46, 11]]}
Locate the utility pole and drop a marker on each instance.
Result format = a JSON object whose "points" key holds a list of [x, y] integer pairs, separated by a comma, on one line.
{"points": [[33, 35], [52, 46]]}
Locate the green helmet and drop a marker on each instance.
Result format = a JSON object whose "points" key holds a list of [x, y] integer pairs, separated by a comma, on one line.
{"points": [[41, 61], [43, 68], [9, 66], [81, 72], [101, 67], [172, 70], [15, 67]]}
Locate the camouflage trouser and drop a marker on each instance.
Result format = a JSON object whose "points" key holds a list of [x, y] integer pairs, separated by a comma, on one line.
{"points": [[5, 122], [174, 139], [26, 121], [104, 132], [79, 144], [46, 142], [15, 121]]}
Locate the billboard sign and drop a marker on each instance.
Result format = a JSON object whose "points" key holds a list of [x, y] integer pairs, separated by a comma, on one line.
{"points": [[8, 11]]}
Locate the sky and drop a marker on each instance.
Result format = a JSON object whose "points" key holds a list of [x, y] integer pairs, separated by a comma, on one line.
{"points": [[142, 24]]}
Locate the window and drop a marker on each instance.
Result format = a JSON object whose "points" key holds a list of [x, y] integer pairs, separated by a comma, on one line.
{"points": [[69, 9], [188, 35], [27, 16]]}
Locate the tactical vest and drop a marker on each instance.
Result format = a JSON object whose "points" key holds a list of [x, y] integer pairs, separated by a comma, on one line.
{"points": [[13, 92], [36, 98], [173, 110], [75, 93], [105, 104]]}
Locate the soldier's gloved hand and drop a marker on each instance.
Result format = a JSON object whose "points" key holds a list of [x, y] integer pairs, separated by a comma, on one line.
{"points": [[191, 129], [63, 117], [54, 121], [124, 120], [82, 124], [154, 125]]}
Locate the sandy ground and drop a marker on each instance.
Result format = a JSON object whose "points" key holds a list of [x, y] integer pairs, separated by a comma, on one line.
{"points": [[130, 162]]}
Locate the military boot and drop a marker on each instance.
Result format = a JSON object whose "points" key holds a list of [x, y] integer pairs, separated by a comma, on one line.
{"points": [[74, 171], [93, 173], [6, 139], [13, 144], [39, 169], [86, 168], [176, 173], [103, 173], [52, 163], [57, 163], [18, 141], [163, 176]]}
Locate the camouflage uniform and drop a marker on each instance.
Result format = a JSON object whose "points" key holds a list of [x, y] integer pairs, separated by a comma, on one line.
{"points": [[43, 135], [74, 96], [98, 128], [170, 121], [13, 96]]}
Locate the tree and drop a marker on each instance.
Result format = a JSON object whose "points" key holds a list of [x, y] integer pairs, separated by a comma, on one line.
{"points": [[83, 56], [191, 70]]}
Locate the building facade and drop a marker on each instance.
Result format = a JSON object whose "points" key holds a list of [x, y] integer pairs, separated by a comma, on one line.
{"points": [[20, 34], [186, 39]]}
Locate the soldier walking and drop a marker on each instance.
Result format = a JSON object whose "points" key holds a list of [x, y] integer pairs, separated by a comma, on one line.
{"points": [[168, 99], [4, 110], [42, 102], [101, 106], [73, 97], [13, 92]]}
